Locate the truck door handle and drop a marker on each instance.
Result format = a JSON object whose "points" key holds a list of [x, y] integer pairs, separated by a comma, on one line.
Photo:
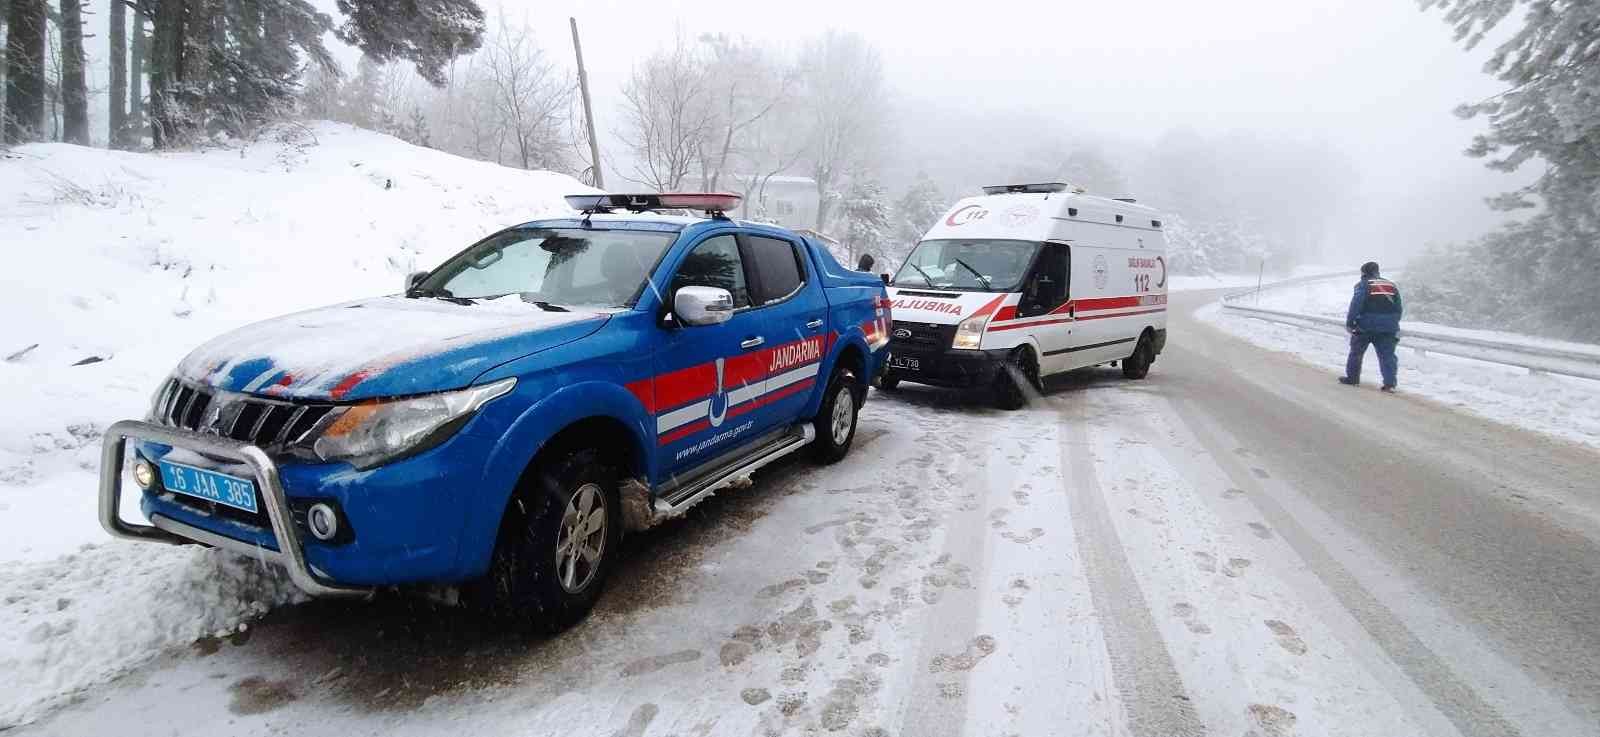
{"points": [[752, 342], [814, 324]]}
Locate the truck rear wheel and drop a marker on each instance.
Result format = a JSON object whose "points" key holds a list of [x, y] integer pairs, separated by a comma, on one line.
{"points": [[835, 422], [1137, 366], [557, 542]]}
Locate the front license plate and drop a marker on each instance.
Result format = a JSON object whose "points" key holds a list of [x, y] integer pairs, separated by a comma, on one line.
{"points": [[209, 485], [907, 363]]}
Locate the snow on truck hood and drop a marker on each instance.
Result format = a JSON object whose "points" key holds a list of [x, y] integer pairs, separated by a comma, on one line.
{"points": [[380, 347], [940, 306]]}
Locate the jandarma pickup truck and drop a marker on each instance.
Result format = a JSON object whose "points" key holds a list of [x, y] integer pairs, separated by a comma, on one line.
{"points": [[495, 428]]}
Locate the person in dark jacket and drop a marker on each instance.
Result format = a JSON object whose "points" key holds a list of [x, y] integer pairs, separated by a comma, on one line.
{"points": [[866, 262], [1373, 319]]}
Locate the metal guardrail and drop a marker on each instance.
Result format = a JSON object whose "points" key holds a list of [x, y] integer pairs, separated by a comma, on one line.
{"points": [[1538, 359]]}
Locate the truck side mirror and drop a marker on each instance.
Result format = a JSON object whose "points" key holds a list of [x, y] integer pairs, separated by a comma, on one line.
{"points": [[415, 278], [703, 305]]}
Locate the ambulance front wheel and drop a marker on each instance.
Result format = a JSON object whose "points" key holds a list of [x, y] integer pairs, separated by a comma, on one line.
{"points": [[1017, 376]]}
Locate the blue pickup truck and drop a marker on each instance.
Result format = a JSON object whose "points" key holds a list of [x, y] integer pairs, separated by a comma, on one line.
{"points": [[497, 427]]}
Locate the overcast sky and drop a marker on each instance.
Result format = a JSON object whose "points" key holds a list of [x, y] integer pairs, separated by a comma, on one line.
{"points": [[1374, 79]]}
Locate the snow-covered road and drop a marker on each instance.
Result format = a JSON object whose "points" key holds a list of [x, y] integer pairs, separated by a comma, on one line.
{"points": [[1235, 546]]}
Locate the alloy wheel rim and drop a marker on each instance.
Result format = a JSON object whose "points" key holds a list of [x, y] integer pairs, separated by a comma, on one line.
{"points": [[581, 541], [842, 409]]}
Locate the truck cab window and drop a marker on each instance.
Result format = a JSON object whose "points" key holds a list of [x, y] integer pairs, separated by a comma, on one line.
{"points": [[777, 268], [715, 263]]}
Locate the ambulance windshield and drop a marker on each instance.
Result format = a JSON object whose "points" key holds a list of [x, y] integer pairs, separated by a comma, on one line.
{"points": [[968, 265]]}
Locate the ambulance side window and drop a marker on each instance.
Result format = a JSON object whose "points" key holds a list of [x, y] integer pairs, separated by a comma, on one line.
{"points": [[1046, 288], [715, 263]]}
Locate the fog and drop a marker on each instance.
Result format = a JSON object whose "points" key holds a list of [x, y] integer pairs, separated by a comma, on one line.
{"points": [[1373, 82]]}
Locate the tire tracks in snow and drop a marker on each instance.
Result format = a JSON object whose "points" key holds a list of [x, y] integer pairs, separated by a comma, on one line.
{"points": [[1142, 668], [1468, 712]]}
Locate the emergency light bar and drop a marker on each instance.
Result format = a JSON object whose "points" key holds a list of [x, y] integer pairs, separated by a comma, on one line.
{"points": [[1035, 188], [713, 203]]}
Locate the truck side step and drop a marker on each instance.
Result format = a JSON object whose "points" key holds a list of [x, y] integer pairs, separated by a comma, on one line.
{"points": [[686, 496]]}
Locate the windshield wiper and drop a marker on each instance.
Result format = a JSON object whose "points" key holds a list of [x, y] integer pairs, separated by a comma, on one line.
{"points": [[975, 272], [543, 305], [925, 278], [439, 294]]}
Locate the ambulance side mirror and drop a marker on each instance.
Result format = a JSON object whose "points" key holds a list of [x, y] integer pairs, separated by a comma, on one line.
{"points": [[415, 278], [886, 280]]}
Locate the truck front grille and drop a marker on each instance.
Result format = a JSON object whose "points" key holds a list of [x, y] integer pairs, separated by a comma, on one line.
{"points": [[269, 424]]}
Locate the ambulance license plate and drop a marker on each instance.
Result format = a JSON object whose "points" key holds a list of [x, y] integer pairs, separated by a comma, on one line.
{"points": [[907, 363], [209, 485]]}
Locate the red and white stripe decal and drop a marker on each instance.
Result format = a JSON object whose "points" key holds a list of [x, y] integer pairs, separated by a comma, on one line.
{"points": [[683, 401], [1098, 308]]}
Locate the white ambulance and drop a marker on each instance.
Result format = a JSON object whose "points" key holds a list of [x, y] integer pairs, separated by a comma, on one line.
{"points": [[1026, 281]]}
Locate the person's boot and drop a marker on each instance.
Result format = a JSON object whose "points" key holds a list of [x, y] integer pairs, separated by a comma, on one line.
{"points": [[1347, 381], [1389, 389]]}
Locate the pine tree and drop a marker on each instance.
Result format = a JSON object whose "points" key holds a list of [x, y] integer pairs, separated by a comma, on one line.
{"points": [[1549, 112], [74, 88], [428, 33], [138, 46], [25, 78], [117, 100], [866, 214], [416, 130], [228, 66], [918, 209]]}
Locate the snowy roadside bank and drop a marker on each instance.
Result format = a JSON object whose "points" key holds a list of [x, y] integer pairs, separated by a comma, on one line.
{"points": [[1559, 406], [122, 263]]}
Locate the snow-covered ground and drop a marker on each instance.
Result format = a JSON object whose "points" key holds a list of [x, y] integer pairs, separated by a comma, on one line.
{"points": [[1561, 406], [118, 264], [964, 572]]}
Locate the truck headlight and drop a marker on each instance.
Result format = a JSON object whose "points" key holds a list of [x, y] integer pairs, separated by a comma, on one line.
{"points": [[969, 334], [367, 435]]}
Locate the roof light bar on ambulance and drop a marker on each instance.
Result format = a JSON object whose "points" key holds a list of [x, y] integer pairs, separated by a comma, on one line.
{"points": [[713, 203], [1033, 188]]}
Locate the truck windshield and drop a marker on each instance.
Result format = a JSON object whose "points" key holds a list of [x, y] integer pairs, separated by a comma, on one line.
{"points": [[552, 267], [968, 265]]}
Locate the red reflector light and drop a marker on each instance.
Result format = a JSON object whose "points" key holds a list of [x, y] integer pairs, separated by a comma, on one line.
{"points": [[709, 201]]}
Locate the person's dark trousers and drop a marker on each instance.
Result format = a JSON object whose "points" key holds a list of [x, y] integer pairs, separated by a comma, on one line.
{"points": [[1384, 344]]}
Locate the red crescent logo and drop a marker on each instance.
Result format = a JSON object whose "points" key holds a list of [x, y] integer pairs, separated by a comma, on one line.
{"points": [[966, 215]]}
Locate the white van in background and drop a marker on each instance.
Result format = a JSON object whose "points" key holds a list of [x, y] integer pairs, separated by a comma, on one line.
{"points": [[1026, 281]]}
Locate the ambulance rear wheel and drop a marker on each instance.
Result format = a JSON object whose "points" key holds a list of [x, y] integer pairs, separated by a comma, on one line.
{"points": [[836, 420], [1137, 366], [1018, 376]]}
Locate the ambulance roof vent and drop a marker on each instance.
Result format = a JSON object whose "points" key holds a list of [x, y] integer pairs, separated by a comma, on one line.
{"points": [[1035, 188]]}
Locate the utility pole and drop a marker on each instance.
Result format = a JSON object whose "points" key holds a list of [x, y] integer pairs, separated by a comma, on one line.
{"points": [[588, 108]]}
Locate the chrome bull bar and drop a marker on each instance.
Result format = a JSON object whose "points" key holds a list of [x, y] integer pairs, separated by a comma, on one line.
{"points": [[290, 553]]}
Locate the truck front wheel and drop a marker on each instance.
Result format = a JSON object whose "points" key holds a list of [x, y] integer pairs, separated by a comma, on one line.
{"points": [[557, 543], [835, 422]]}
